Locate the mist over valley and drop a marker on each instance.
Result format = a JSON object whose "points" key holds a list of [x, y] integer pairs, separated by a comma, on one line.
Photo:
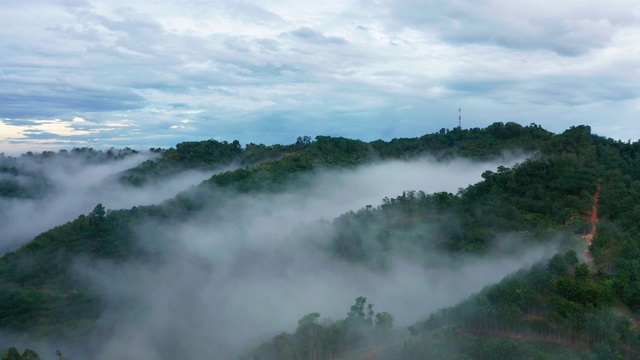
{"points": [[260, 251]]}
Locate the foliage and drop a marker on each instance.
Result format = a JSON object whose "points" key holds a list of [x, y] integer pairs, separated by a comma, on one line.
{"points": [[474, 143], [207, 154], [327, 339], [561, 303], [286, 170], [13, 354]]}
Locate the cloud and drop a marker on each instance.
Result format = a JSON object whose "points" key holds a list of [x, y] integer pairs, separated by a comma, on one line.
{"points": [[568, 29], [74, 189], [11, 131], [250, 12], [47, 134], [308, 34], [32, 102], [236, 62], [191, 307]]}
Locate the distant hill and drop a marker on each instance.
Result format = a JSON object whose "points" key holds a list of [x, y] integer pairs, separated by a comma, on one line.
{"points": [[25, 176]]}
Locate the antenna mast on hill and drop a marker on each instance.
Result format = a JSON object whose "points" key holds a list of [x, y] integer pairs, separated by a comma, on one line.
{"points": [[459, 118]]}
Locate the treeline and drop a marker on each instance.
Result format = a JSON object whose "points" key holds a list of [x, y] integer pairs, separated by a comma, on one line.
{"points": [[327, 339], [474, 143], [275, 164], [199, 155], [285, 172], [13, 354], [268, 168]]}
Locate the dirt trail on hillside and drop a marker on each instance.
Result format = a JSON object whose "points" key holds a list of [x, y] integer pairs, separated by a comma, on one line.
{"points": [[593, 219], [574, 341]]}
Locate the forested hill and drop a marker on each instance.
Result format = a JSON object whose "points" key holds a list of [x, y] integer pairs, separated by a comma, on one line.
{"points": [[546, 198], [583, 303], [304, 153]]}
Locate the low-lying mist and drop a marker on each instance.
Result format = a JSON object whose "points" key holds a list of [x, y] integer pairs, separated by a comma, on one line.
{"points": [[252, 265], [75, 188]]}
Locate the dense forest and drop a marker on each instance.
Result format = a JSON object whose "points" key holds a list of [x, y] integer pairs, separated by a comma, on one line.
{"points": [[575, 192]]}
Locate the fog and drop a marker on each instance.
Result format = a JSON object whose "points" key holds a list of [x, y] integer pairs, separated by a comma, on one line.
{"points": [[75, 188], [250, 266]]}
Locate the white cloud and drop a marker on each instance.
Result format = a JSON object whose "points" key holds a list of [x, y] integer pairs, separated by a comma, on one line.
{"points": [[75, 189], [231, 61], [11, 131]]}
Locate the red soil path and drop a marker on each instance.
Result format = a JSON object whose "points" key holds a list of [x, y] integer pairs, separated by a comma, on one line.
{"points": [[593, 219]]}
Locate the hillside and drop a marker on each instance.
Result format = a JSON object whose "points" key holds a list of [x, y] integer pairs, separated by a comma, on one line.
{"points": [[569, 307], [561, 303]]}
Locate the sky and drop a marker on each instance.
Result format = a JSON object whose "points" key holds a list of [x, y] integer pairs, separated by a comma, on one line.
{"points": [[143, 74]]}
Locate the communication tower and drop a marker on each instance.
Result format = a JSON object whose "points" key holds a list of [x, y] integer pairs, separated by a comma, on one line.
{"points": [[459, 118]]}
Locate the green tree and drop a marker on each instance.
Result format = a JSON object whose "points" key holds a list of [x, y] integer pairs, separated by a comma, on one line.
{"points": [[309, 333], [384, 320], [99, 211], [582, 272], [29, 354], [13, 354]]}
